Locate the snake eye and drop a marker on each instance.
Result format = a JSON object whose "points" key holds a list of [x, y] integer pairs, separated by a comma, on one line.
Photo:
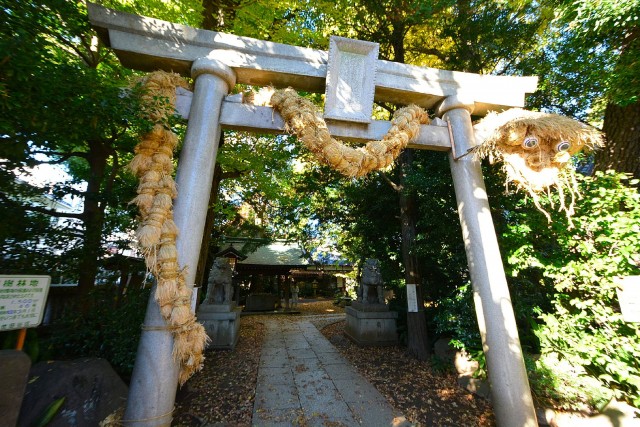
{"points": [[530, 142], [563, 146]]}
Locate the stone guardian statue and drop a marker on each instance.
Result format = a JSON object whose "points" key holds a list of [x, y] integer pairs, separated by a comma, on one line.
{"points": [[219, 282], [371, 286]]}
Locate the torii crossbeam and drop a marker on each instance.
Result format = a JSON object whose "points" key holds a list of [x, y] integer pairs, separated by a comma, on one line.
{"points": [[217, 61]]}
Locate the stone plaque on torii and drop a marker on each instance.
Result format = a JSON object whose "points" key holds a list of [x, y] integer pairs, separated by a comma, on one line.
{"points": [[352, 78]]}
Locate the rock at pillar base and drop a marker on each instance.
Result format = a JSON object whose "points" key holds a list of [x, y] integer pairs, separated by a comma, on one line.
{"points": [[91, 388], [372, 328], [14, 371], [222, 325]]}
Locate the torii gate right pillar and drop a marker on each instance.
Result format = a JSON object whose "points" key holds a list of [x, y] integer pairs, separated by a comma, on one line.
{"points": [[510, 392]]}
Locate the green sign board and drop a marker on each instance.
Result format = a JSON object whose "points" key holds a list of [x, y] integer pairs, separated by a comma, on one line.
{"points": [[22, 301]]}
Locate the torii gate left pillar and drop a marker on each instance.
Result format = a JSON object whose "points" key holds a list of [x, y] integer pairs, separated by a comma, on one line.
{"points": [[154, 379]]}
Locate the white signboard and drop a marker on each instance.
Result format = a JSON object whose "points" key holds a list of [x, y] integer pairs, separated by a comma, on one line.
{"points": [[629, 298], [22, 301], [412, 299], [351, 79]]}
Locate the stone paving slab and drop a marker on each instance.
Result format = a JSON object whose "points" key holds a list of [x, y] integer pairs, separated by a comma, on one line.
{"points": [[278, 375], [358, 391], [277, 417], [276, 396], [303, 380]]}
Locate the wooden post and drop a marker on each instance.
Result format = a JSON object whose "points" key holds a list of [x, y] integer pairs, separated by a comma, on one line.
{"points": [[22, 334]]}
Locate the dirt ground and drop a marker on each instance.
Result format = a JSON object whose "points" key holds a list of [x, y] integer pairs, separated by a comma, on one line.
{"points": [[223, 392]]}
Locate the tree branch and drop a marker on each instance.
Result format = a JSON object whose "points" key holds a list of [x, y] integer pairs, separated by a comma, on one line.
{"points": [[393, 185], [431, 51], [63, 156], [232, 174], [52, 212], [39, 209]]}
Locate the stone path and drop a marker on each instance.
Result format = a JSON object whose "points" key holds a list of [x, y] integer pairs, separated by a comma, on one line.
{"points": [[304, 381]]}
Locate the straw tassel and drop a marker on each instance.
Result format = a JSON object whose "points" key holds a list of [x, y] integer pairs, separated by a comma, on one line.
{"points": [[536, 150]]}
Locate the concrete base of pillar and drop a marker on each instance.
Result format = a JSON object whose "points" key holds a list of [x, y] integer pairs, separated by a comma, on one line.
{"points": [[371, 328], [223, 328]]}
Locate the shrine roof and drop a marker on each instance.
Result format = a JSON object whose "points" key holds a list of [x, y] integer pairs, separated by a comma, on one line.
{"points": [[278, 253]]}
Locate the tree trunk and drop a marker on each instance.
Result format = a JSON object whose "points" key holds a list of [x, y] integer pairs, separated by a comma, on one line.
{"points": [[203, 260], [217, 15], [418, 340], [622, 149], [93, 220]]}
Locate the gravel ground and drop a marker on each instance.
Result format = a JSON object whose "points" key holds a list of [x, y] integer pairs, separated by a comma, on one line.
{"points": [[427, 397]]}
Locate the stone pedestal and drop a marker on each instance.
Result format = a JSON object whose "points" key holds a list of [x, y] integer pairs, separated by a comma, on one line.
{"points": [[375, 326], [222, 323]]}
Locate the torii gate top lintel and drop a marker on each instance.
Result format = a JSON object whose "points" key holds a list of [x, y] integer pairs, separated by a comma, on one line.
{"points": [[148, 44]]}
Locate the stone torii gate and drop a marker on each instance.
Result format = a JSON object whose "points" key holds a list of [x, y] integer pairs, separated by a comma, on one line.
{"points": [[352, 77]]}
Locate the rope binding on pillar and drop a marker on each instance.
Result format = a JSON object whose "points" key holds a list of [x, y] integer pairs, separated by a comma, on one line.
{"points": [[535, 149], [157, 232]]}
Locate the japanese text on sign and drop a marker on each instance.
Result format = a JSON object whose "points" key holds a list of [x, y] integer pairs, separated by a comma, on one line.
{"points": [[22, 301]]}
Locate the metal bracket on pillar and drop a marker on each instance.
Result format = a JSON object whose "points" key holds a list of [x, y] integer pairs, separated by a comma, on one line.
{"points": [[453, 143], [452, 103]]}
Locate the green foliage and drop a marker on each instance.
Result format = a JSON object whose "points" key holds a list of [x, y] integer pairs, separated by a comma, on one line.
{"points": [[562, 283], [454, 316], [188, 12], [111, 330], [555, 384], [609, 27], [588, 56], [584, 324], [62, 104]]}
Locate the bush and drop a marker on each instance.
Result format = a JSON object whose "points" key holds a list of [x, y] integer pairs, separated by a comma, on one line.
{"points": [[111, 329], [577, 266], [455, 317], [561, 277], [557, 384]]}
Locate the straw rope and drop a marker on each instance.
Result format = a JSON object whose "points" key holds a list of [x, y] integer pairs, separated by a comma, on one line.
{"points": [[303, 119], [536, 150], [157, 232]]}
